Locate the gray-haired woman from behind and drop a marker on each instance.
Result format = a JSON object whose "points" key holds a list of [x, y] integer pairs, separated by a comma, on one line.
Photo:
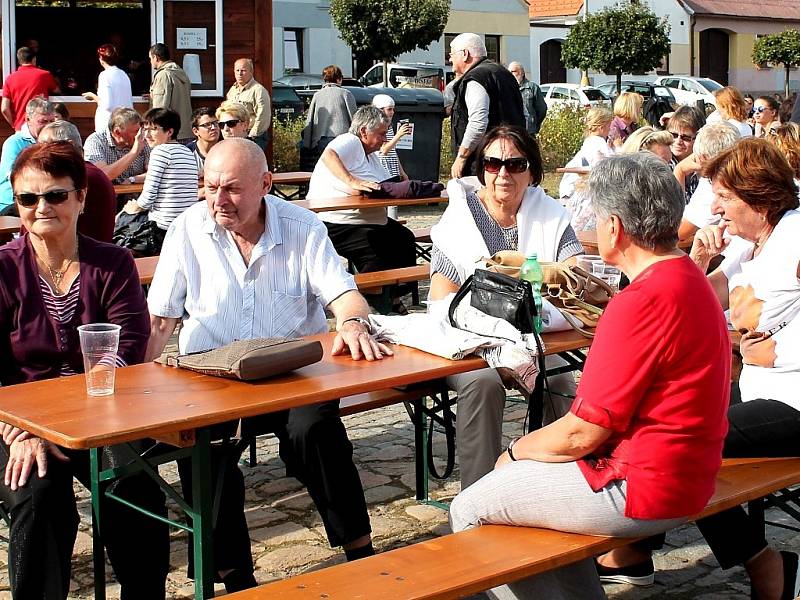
{"points": [[639, 451]]}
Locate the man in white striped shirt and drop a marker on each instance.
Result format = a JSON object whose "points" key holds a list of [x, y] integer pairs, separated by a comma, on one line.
{"points": [[245, 265]]}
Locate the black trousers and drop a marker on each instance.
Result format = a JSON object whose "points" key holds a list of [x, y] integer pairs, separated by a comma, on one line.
{"points": [[44, 524], [759, 428], [374, 247], [315, 449]]}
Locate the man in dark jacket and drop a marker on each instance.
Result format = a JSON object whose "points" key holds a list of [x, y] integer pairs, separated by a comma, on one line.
{"points": [[532, 99], [486, 95]]}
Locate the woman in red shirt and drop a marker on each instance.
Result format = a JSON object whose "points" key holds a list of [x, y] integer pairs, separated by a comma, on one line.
{"points": [[639, 451]]}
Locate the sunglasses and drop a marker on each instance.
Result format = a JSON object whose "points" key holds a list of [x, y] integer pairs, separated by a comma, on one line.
{"points": [[29, 199], [682, 136], [492, 164], [211, 124], [229, 124], [760, 109]]}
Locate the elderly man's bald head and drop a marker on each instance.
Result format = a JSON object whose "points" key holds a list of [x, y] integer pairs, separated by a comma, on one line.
{"points": [[243, 150]]}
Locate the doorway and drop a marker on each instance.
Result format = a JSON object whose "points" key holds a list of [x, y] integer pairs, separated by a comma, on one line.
{"points": [[551, 67], [714, 55]]}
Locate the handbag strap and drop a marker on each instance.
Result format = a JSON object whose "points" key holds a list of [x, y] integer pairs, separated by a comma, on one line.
{"points": [[462, 291]]}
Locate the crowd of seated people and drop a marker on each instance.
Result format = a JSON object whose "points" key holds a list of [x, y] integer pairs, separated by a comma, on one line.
{"points": [[632, 451]]}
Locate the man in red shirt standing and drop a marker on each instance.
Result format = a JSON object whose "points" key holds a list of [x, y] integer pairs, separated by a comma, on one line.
{"points": [[27, 82]]}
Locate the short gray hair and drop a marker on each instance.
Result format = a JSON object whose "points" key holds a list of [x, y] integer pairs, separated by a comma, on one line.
{"points": [[369, 117], [61, 131], [39, 105], [714, 138], [642, 192], [469, 41], [122, 117]]}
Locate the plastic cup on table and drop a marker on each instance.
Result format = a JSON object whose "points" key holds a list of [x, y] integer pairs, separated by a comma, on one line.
{"points": [[611, 275], [585, 261], [99, 344]]}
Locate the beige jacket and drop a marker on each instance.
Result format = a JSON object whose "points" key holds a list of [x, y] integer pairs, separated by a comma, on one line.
{"points": [[171, 89], [256, 98]]}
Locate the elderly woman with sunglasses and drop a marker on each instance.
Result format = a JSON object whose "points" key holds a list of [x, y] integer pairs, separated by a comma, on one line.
{"points": [[53, 280], [506, 210], [170, 185], [234, 120], [639, 450]]}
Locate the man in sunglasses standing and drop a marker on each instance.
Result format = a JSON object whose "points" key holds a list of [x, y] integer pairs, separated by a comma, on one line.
{"points": [[486, 95], [38, 113], [246, 90]]}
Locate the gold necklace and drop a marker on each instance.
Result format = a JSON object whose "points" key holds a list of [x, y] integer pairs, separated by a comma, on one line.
{"points": [[57, 276]]}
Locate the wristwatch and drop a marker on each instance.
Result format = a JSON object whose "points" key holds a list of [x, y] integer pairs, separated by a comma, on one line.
{"points": [[361, 320], [132, 179]]}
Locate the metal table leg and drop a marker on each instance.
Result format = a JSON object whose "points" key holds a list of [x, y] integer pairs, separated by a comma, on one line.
{"points": [[98, 556], [201, 517]]}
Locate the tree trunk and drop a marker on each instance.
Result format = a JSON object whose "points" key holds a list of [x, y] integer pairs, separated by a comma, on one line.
{"points": [[786, 82], [619, 82], [385, 73]]}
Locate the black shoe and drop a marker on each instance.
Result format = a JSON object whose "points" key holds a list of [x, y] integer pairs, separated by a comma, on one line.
{"points": [[643, 573], [791, 576]]}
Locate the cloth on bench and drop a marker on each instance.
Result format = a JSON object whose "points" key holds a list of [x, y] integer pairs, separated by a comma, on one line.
{"points": [[410, 188]]}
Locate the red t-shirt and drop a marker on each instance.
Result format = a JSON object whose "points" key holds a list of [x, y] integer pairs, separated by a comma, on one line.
{"points": [[24, 84], [658, 376]]}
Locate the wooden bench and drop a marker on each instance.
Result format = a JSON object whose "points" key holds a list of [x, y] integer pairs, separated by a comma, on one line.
{"points": [[456, 565], [146, 267], [380, 282]]}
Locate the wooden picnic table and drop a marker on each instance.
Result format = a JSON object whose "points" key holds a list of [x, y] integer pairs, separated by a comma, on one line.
{"points": [[588, 240], [278, 179], [351, 202], [8, 227], [178, 406]]}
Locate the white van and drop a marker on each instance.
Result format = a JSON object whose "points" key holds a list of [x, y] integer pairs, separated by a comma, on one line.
{"points": [[425, 75]]}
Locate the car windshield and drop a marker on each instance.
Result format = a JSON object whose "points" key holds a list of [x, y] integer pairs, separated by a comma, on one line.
{"points": [[284, 94], [594, 94], [709, 84]]}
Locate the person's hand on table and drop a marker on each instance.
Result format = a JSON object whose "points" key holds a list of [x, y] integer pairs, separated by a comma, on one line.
{"points": [[11, 433], [361, 185], [131, 207], [353, 337], [90, 96], [24, 454]]}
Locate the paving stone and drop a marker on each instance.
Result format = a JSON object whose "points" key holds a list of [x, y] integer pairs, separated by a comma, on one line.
{"points": [[291, 558], [370, 479], [382, 493], [276, 535], [258, 516], [426, 512], [295, 501], [390, 452]]}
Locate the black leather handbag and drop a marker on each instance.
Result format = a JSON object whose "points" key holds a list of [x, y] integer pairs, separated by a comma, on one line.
{"points": [[138, 234], [500, 296]]}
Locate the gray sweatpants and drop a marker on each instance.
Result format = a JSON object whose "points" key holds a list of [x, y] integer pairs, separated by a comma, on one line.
{"points": [[527, 493]]}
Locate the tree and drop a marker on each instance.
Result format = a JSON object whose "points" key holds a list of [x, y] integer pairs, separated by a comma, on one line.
{"points": [[627, 38], [783, 48], [384, 31]]}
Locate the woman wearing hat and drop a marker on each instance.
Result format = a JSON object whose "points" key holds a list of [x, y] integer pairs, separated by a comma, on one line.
{"points": [[388, 153]]}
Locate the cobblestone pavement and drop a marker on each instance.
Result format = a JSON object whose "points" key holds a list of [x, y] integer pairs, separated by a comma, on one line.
{"points": [[287, 535]]}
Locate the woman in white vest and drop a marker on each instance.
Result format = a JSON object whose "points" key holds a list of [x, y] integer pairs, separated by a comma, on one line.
{"points": [[506, 210]]}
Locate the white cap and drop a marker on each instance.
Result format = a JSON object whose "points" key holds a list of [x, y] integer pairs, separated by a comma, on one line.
{"points": [[382, 101]]}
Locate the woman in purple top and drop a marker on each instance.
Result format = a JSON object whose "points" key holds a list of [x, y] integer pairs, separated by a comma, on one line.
{"points": [[627, 112], [53, 280]]}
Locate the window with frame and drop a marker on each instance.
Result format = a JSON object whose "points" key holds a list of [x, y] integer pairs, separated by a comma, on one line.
{"points": [[448, 38], [492, 47], [293, 50]]}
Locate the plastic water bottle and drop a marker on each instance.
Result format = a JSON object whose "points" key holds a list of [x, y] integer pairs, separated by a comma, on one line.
{"points": [[531, 271]]}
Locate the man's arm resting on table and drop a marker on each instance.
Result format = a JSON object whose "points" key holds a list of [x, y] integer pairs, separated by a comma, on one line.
{"points": [[352, 335], [337, 168], [161, 329], [8, 111]]}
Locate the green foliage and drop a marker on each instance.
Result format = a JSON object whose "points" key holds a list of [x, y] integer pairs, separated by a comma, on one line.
{"points": [[445, 152], [627, 38], [561, 135], [285, 150], [779, 48], [383, 30]]}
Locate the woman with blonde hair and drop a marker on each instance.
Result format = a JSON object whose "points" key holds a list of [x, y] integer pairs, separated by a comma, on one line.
{"points": [[627, 112], [597, 124], [787, 140], [234, 119], [732, 108], [650, 139]]}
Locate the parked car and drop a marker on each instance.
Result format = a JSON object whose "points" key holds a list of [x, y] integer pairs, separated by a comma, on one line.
{"points": [[646, 89], [572, 93], [414, 74], [305, 84], [286, 104], [688, 90]]}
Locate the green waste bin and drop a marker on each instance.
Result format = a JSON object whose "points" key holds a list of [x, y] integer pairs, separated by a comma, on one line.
{"points": [[424, 107]]}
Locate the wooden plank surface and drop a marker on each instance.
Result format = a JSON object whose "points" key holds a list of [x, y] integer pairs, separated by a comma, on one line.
{"points": [[146, 267], [454, 566], [9, 225], [351, 202], [153, 400]]}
